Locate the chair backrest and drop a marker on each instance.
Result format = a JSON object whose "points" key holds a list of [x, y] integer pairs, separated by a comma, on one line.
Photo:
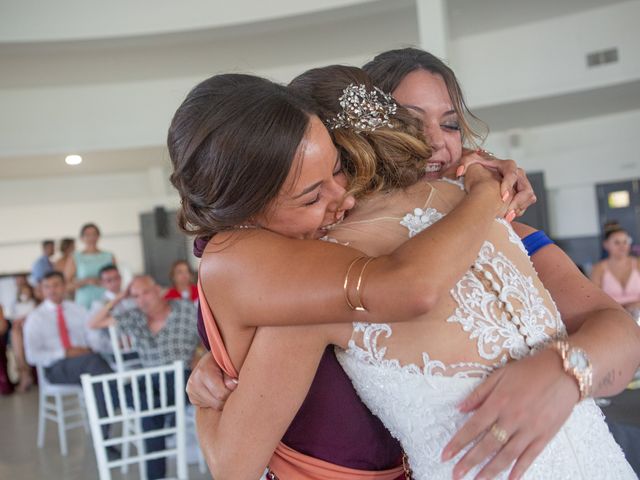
{"points": [[153, 391], [123, 346], [43, 383]]}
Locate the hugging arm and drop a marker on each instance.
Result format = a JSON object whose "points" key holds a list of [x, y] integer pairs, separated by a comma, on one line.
{"points": [[303, 280], [239, 441], [522, 393]]}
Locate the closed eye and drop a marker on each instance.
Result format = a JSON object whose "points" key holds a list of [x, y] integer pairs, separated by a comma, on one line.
{"points": [[315, 200]]}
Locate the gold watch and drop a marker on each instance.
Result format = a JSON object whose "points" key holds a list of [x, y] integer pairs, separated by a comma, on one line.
{"points": [[576, 363]]}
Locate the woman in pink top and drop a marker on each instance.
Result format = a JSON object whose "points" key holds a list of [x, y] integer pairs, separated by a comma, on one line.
{"points": [[618, 274]]}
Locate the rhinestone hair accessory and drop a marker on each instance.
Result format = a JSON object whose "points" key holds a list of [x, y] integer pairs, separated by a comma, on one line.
{"points": [[363, 110]]}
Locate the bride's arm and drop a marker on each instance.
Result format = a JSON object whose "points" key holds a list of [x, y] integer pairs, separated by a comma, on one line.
{"points": [[519, 395], [275, 378], [267, 279]]}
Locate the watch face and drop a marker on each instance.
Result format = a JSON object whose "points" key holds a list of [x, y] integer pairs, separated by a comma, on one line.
{"points": [[578, 359]]}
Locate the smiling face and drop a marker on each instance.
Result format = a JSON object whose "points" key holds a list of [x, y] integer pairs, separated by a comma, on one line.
{"points": [[313, 195], [426, 95]]}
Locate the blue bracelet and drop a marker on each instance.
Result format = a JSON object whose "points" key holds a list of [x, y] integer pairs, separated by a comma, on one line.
{"points": [[536, 241]]}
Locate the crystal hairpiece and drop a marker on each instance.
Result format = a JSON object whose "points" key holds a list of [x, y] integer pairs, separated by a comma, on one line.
{"points": [[363, 110]]}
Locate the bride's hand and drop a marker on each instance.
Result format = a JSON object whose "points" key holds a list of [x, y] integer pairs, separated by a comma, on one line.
{"points": [[514, 179], [529, 400]]}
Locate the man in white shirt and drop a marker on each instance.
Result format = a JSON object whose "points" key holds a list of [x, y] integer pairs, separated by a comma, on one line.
{"points": [[55, 336], [111, 281]]}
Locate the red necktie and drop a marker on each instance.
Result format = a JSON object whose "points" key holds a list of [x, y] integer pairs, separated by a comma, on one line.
{"points": [[62, 329]]}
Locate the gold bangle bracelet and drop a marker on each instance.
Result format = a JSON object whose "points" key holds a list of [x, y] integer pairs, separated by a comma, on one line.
{"points": [[362, 308], [346, 282]]}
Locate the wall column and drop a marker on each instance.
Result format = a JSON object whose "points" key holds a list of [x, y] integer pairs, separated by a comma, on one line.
{"points": [[433, 27]]}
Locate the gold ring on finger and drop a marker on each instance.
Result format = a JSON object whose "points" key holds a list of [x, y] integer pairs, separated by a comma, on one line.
{"points": [[500, 434]]}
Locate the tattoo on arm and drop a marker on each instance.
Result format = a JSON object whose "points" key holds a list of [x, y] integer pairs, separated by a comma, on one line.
{"points": [[607, 380]]}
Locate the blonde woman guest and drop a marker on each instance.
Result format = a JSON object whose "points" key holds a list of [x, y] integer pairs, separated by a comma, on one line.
{"points": [[67, 247]]}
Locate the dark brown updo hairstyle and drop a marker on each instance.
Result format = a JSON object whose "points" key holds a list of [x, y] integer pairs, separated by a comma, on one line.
{"points": [[389, 68], [611, 228], [388, 157], [232, 143]]}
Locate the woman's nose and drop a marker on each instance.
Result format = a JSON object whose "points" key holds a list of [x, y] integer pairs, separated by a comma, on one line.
{"points": [[434, 136], [342, 200]]}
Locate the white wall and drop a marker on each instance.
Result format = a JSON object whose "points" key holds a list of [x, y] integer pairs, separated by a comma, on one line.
{"points": [[574, 157], [34, 209], [548, 57]]}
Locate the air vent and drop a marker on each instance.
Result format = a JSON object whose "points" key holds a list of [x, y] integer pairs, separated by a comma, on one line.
{"points": [[602, 57]]}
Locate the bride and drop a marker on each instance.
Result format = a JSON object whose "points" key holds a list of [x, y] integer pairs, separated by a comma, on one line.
{"points": [[413, 374]]}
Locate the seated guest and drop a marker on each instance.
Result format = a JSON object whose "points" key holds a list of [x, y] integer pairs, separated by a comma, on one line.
{"points": [[111, 281], [24, 305], [55, 337], [165, 331], [618, 275], [183, 287]]}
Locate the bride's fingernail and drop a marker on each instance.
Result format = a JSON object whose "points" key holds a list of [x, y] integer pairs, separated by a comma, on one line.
{"points": [[510, 216], [460, 171], [446, 455], [505, 196]]}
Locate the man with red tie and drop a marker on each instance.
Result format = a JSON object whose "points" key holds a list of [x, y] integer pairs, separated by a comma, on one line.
{"points": [[55, 336]]}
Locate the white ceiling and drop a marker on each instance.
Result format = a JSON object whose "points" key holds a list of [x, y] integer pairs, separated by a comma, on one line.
{"points": [[159, 56], [134, 159], [468, 17], [571, 106]]}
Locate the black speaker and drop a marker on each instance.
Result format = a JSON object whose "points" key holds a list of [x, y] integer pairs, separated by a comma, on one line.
{"points": [[162, 222]]}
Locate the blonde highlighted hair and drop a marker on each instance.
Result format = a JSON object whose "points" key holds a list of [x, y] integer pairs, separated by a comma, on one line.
{"points": [[388, 157]]}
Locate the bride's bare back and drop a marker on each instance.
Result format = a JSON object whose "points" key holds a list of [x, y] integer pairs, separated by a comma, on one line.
{"points": [[497, 312]]}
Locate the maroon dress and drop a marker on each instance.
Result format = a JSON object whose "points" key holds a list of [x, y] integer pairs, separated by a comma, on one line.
{"points": [[333, 424]]}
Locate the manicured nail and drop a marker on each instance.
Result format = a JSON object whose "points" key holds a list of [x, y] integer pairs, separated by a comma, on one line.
{"points": [[446, 455], [510, 216], [459, 474], [460, 171], [235, 380], [505, 196]]}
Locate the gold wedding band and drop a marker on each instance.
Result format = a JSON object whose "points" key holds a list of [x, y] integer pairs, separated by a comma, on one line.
{"points": [[500, 434]]}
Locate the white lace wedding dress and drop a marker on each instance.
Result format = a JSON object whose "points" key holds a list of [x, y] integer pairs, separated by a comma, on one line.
{"points": [[497, 312]]}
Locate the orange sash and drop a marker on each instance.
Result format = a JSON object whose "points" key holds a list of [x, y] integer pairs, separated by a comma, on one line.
{"points": [[287, 463]]}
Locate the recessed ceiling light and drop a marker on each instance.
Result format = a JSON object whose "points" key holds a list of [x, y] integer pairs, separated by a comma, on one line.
{"points": [[73, 160]]}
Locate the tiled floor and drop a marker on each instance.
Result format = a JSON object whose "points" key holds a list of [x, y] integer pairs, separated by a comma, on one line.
{"points": [[21, 459]]}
